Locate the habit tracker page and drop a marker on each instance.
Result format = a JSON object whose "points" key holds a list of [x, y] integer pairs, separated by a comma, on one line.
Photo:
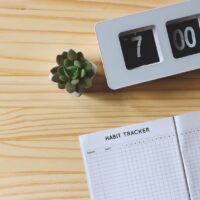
{"points": [[138, 162]]}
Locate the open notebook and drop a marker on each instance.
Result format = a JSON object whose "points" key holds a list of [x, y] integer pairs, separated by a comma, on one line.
{"points": [[157, 160]]}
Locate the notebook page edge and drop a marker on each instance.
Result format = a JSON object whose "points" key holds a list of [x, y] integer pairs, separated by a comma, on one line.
{"points": [[187, 127]]}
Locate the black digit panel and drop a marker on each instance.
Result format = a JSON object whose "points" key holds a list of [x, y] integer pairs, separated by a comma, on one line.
{"points": [[184, 37], [138, 48]]}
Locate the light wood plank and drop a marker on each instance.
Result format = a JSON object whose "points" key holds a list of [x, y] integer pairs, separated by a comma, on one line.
{"points": [[40, 157]]}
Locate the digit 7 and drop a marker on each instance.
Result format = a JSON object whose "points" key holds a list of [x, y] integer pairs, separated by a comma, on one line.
{"points": [[139, 42]]}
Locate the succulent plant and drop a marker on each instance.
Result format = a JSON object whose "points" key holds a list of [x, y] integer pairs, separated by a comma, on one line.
{"points": [[73, 72]]}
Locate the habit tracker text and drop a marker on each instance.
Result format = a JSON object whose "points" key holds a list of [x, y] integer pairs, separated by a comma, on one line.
{"points": [[127, 133]]}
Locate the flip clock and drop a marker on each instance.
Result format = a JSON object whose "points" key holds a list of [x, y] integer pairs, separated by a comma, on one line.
{"points": [[150, 45]]}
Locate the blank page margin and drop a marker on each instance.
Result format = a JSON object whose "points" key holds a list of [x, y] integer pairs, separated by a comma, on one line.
{"points": [[188, 128]]}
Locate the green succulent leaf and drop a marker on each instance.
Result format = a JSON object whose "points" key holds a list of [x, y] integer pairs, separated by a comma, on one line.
{"points": [[75, 81], [66, 73], [72, 55], [80, 56], [64, 54], [88, 66], [87, 83], [83, 73], [60, 60], [71, 68], [90, 74], [80, 88], [63, 78], [61, 86], [70, 88], [67, 62], [73, 72], [54, 70], [77, 63], [60, 71], [55, 78]]}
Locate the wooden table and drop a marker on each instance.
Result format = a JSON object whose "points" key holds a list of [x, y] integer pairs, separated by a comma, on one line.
{"points": [[40, 156]]}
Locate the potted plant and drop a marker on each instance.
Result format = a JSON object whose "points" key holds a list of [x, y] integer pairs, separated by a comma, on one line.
{"points": [[73, 72]]}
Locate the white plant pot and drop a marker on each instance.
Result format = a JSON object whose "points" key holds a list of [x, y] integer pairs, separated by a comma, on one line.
{"points": [[78, 94]]}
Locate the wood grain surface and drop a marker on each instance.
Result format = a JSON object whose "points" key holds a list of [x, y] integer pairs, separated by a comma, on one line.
{"points": [[40, 157]]}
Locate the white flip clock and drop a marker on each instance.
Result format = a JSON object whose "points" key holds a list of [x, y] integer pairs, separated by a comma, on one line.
{"points": [[150, 45]]}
